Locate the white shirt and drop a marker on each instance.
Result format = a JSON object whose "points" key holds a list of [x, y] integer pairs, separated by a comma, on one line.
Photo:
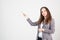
{"points": [[40, 33]]}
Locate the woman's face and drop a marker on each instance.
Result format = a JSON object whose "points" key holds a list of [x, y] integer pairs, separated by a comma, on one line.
{"points": [[44, 12]]}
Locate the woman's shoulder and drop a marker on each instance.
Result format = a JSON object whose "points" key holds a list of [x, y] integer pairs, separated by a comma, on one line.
{"points": [[53, 20]]}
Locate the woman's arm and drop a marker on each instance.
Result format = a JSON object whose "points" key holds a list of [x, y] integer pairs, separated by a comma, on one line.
{"points": [[31, 23]]}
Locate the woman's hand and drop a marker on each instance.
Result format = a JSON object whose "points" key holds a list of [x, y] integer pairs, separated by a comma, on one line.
{"points": [[25, 15], [41, 30]]}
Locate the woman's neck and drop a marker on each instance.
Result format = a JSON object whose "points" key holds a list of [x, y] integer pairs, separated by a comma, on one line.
{"points": [[44, 18]]}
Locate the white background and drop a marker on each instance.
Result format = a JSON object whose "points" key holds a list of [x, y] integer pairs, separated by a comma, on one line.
{"points": [[13, 26]]}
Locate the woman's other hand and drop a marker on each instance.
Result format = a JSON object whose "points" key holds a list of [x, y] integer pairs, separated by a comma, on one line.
{"points": [[41, 29]]}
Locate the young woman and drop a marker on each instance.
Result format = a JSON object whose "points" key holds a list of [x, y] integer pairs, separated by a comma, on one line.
{"points": [[46, 24]]}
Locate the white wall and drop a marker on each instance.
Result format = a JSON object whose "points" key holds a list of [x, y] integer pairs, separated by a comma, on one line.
{"points": [[13, 25]]}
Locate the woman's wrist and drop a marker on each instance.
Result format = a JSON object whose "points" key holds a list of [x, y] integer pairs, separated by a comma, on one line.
{"points": [[26, 17]]}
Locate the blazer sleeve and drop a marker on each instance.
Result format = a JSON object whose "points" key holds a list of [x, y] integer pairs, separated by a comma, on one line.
{"points": [[31, 23], [52, 27]]}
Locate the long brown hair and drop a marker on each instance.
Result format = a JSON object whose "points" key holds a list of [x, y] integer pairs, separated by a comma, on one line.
{"points": [[41, 19]]}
